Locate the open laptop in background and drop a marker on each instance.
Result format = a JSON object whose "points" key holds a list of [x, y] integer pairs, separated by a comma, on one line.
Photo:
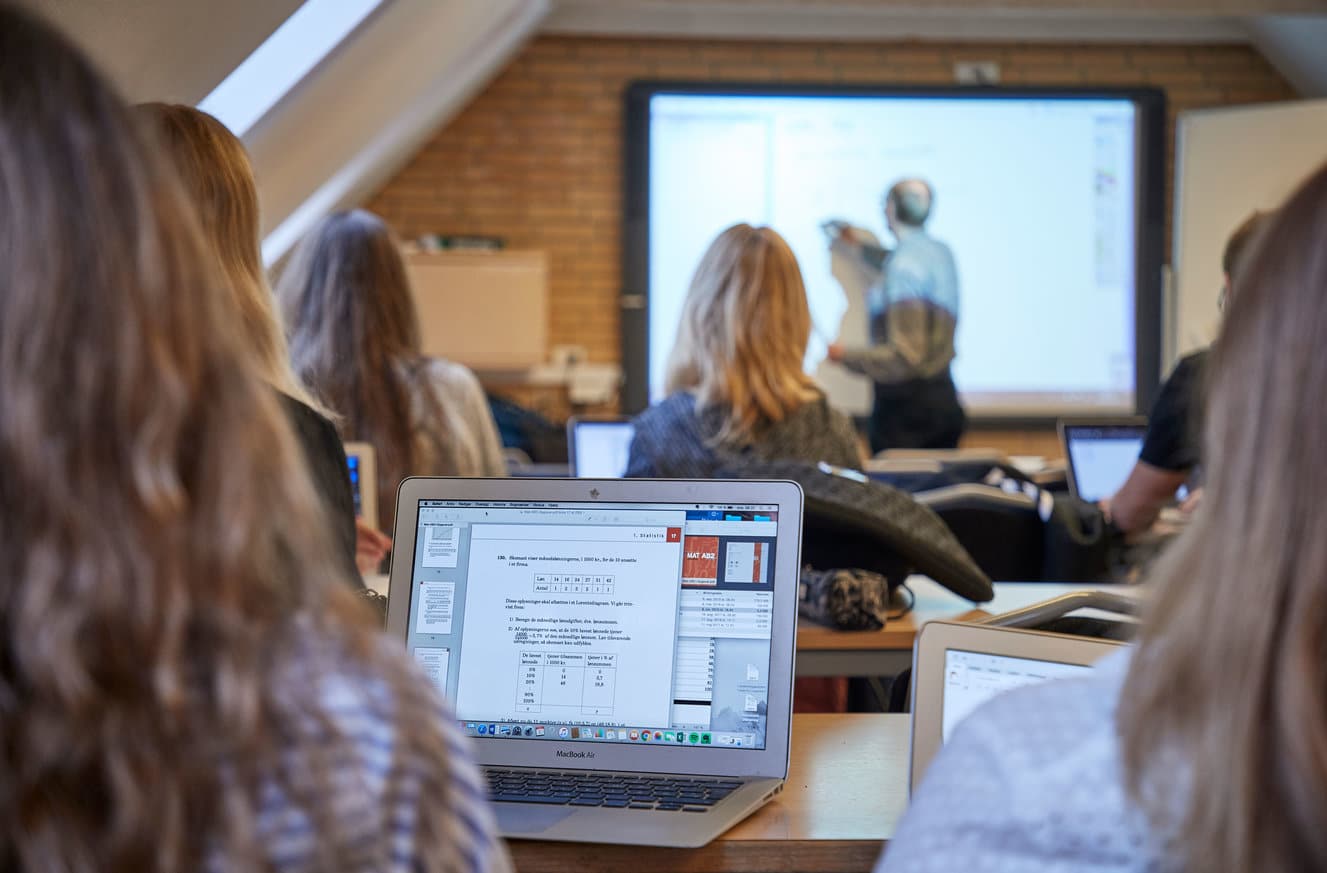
{"points": [[1100, 454], [957, 667], [598, 448], [620, 651], [363, 468]]}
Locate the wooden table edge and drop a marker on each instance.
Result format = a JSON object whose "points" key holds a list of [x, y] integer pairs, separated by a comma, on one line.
{"points": [[720, 856]]}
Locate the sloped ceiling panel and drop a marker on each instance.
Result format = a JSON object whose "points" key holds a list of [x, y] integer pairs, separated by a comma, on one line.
{"points": [[1297, 46], [369, 106], [172, 50]]}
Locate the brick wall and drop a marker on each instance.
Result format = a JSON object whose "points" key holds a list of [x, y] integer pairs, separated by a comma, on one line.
{"points": [[537, 157]]}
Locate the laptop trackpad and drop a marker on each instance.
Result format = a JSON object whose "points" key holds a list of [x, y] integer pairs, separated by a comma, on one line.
{"points": [[527, 818]]}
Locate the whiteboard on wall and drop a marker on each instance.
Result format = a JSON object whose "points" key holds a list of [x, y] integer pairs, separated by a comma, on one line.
{"points": [[1229, 163], [487, 310]]}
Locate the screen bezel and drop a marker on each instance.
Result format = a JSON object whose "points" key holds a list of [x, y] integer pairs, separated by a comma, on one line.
{"points": [[1150, 139], [928, 669], [772, 761]]}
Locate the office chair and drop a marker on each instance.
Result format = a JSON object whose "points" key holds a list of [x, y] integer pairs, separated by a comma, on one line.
{"points": [[1003, 532]]}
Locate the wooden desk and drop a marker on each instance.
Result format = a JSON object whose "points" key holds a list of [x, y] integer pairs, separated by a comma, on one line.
{"points": [[825, 651], [847, 788]]}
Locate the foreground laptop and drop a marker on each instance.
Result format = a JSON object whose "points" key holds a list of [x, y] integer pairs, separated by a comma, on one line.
{"points": [[957, 667], [1100, 455], [599, 448], [620, 651]]}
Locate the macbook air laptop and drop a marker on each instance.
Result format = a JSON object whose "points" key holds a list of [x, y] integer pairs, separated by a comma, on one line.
{"points": [[620, 651], [598, 448], [1100, 455], [363, 480], [956, 667]]}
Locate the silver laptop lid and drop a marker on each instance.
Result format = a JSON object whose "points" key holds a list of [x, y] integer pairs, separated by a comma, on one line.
{"points": [[599, 448], [553, 612], [957, 667]]}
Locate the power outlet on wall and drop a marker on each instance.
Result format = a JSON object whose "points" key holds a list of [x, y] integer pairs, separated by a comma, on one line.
{"points": [[977, 73]]}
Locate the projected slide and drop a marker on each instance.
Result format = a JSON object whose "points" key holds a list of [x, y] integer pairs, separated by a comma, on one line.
{"points": [[1036, 198]]}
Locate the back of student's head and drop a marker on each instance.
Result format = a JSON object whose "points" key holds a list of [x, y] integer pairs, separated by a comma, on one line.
{"points": [[1224, 718], [354, 334], [218, 177], [745, 325], [161, 561], [1239, 241]]}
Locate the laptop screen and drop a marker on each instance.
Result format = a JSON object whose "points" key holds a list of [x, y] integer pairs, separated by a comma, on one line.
{"points": [[972, 678], [601, 622], [355, 474], [1102, 457], [602, 448]]}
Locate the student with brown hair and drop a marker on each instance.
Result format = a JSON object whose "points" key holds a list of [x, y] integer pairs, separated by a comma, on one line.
{"points": [[1205, 747], [214, 167], [736, 377], [185, 683], [355, 340]]}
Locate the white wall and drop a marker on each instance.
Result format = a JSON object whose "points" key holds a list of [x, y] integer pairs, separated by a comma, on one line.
{"points": [[1228, 163], [363, 113]]}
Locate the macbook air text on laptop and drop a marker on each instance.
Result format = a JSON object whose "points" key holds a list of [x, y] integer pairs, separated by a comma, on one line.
{"points": [[620, 651]]}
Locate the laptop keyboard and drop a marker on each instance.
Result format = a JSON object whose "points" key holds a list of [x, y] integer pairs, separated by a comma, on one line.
{"points": [[610, 790]]}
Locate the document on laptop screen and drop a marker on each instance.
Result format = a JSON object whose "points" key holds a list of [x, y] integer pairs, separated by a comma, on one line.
{"points": [[972, 678], [646, 623], [1102, 463], [603, 448]]}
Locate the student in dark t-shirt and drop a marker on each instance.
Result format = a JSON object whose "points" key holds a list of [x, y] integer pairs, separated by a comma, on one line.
{"points": [[1172, 448], [1174, 430]]}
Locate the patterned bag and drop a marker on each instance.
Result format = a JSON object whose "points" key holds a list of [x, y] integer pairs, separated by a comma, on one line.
{"points": [[845, 599]]}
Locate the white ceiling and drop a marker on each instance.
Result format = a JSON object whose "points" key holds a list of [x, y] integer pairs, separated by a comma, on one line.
{"points": [[1290, 33], [362, 113]]}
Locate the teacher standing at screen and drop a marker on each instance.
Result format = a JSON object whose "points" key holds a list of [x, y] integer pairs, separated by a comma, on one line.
{"points": [[912, 298]]}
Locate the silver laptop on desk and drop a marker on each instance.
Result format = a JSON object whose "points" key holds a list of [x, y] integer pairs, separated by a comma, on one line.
{"points": [[1100, 454], [956, 667], [620, 651], [599, 448]]}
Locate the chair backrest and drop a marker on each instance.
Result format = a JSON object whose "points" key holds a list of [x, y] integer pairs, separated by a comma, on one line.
{"points": [[1002, 531]]}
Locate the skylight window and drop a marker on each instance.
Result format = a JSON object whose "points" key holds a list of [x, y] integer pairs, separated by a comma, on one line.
{"points": [[286, 57]]}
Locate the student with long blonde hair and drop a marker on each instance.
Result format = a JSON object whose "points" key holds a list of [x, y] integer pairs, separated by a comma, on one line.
{"points": [[185, 684], [735, 380], [216, 172], [1205, 748], [355, 340]]}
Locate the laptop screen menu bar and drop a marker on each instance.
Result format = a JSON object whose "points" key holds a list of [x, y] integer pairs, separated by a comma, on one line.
{"points": [[598, 622], [972, 678]]}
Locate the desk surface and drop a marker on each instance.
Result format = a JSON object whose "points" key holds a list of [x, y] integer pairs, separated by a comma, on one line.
{"points": [[846, 789], [933, 603]]}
